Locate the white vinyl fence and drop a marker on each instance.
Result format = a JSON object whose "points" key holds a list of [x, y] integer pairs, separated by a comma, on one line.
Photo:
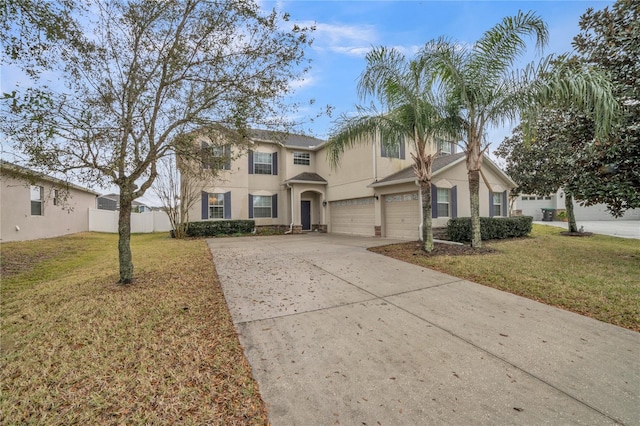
{"points": [[107, 221]]}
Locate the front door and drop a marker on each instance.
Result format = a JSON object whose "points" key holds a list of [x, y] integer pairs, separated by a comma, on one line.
{"points": [[305, 214]]}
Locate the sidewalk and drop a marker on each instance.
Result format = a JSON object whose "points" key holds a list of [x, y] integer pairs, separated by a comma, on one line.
{"points": [[614, 228]]}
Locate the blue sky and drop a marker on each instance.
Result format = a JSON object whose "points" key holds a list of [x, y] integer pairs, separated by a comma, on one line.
{"points": [[346, 30]]}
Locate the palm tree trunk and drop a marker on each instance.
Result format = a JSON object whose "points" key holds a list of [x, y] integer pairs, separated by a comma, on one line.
{"points": [[427, 227], [474, 191], [124, 240], [571, 217]]}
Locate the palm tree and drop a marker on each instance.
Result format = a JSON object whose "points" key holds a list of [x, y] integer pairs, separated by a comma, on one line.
{"points": [[487, 90], [412, 111]]}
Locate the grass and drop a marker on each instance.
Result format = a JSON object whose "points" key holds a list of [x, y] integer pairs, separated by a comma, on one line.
{"points": [[77, 348], [597, 276]]}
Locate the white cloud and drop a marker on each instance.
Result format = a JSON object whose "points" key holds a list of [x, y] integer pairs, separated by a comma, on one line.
{"points": [[350, 40], [306, 81]]}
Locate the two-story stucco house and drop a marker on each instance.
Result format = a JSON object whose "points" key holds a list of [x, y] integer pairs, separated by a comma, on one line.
{"points": [[373, 192], [34, 206]]}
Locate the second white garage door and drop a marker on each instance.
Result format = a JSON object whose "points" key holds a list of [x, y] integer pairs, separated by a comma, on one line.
{"points": [[402, 216], [354, 217]]}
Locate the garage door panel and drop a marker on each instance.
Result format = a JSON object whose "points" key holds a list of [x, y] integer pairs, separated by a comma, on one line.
{"points": [[402, 216], [353, 217]]}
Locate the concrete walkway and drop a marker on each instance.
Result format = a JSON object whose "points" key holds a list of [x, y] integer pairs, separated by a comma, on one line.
{"points": [[614, 228], [339, 335]]}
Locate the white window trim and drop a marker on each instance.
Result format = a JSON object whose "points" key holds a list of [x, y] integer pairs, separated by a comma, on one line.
{"points": [[448, 202], [256, 156], [219, 198], [301, 158], [255, 206], [498, 211], [39, 200]]}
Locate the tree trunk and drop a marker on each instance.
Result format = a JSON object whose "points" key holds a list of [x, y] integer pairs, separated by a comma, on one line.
{"points": [[474, 192], [427, 228], [124, 240], [571, 217]]}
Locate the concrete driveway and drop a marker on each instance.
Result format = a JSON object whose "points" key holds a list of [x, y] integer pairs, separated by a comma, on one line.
{"points": [[339, 335]]}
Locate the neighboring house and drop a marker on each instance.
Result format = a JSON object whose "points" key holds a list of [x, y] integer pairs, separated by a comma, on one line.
{"points": [[34, 206], [112, 202], [532, 205], [372, 193]]}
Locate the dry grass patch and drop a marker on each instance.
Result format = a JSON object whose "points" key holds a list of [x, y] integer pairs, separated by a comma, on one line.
{"points": [[595, 276], [77, 348]]}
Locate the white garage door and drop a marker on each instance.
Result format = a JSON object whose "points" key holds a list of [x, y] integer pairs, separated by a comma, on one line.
{"points": [[402, 216], [354, 217]]}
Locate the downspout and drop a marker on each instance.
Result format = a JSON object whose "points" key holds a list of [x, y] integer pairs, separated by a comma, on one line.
{"points": [[290, 225], [375, 160], [417, 182]]}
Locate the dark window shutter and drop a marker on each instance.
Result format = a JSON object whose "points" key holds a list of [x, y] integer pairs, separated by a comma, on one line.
{"points": [[383, 149], [490, 204], [205, 205], [274, 163], [227, 205], [274, 206], [250, 162], [402, 150], [454, 202], [434, 201], [250, 206], [504, 204]]}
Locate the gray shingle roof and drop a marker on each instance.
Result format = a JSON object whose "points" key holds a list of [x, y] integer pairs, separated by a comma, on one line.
{"points": [[438, 164], [307, 177], [287, 139]]}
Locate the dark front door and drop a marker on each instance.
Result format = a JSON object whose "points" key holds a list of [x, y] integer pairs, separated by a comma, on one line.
{"points": [[305, 214]]}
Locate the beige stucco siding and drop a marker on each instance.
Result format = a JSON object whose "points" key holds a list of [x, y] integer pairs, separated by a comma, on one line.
{"points": [[18, 224]]}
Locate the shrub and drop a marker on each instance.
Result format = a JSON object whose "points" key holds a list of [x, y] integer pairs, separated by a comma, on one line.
{"points": [[491, 228], [220, 227]]}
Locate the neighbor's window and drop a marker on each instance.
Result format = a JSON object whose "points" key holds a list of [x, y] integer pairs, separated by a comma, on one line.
{"points": [[444, 201], [497, 204], [261, 206], [37, 196], [262, 163], [301, 158], [56, 199], [216, 206]]}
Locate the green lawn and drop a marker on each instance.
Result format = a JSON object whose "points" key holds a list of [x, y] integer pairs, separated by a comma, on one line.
{"points": [[597, 276], [77, 348]]}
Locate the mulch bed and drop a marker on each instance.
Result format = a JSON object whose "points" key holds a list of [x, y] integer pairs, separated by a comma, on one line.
{"points": [[576, 234], [413, 248]]}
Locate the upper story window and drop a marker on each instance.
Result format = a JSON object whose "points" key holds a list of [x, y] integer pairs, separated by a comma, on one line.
{"points": [[444, 147], [396, 150], [263, 163], [301, 158], [37, 197], [215, 156]]}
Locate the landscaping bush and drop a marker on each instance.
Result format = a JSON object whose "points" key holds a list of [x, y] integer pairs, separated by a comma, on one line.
{"points": [[220, 227], [491, 228]]}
